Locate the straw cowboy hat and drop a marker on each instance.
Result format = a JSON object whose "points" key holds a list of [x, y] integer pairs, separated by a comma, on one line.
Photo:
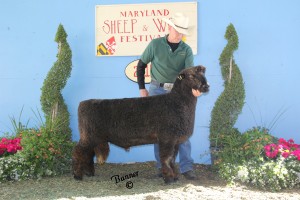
{"points": [[179, 22]]}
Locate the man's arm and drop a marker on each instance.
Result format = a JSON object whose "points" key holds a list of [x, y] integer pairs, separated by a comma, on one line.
{"points": [[189, 60], [141, 78]]}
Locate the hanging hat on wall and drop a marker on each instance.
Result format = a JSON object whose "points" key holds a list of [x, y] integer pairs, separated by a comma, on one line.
{"points": [[179, 22]]}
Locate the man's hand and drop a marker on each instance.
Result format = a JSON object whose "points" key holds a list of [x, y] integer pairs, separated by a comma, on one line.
{"points": [[196, 93], [144, 93]]}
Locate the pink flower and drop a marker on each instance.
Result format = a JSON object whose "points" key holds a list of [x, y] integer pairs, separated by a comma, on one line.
{"points": [[285, 154], [271, 150], [2, 148], [10, 146], [296, 153], [291, 141], [294, 146], [282, 141], [4, 140]]}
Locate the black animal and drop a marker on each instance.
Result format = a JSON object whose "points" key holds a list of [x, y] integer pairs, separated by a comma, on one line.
{"points": [[166, 119]]}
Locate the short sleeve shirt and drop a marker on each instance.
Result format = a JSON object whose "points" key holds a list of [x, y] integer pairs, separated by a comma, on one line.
{"points": [[165, 64]]}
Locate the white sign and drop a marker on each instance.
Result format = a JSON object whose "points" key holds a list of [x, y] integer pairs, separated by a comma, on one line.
{"points": [[131, 71], [126, 29]]}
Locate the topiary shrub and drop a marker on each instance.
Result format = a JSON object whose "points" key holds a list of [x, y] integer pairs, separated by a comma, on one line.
{"points": [[230, 103], [47, 150], [52, 101]]}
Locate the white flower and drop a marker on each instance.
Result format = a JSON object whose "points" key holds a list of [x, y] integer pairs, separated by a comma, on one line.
{"points": [[298, 174], [243, 173]]}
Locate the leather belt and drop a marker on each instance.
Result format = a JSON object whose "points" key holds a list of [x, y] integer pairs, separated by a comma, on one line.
{"points": [[166, 86], [161, 84]]}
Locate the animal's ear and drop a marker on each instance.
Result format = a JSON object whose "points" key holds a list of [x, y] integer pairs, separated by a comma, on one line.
{"points": [[202, 69], [181, 76]]}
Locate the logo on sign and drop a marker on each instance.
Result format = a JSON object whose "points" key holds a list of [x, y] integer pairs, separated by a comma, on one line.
{"points": [[131, 71]]}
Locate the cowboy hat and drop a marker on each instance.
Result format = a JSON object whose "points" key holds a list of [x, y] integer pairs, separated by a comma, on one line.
{"points": [[179, 22]]}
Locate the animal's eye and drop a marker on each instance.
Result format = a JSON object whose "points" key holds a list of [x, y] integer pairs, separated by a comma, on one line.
{"points": [[191, 76], [201, 69]]}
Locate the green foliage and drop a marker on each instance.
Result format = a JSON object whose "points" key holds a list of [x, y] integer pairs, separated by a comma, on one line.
{"points": [[53, 105], [17, 124], [61, 35], [45, 153], [238, 148], [253, 142], [228, 153], [49, 150], [243, 159], [230, 103]]}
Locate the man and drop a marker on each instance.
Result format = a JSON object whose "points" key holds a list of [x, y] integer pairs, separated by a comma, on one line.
{"points": [[168, 56]]}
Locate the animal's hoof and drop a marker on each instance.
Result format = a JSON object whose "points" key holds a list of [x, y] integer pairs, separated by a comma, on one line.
{"points": [[90, 174], [78, 178], [169, 180]]}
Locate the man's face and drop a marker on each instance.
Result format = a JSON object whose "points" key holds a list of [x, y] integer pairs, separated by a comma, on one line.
{"points": [[175, 35]]}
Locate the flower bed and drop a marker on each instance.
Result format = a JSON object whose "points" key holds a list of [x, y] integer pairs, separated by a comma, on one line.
{"points": [[35, 153], [270, 166]]}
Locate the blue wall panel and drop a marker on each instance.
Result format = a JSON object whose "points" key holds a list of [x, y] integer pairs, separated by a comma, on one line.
{"points": [[269, 45]]}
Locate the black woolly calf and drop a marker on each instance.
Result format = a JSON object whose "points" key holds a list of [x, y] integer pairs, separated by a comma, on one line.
{"points": [[166, 119]]}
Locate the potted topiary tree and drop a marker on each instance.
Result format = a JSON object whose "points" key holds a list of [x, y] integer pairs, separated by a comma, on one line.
{"points": [[230, 103], [52, 101]]}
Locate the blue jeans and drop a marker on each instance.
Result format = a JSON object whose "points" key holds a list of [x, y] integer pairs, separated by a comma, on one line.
{"points": [[185, 159]]}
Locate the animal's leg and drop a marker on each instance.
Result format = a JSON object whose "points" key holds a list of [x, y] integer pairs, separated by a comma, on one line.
{"points": [[89, 168], [82, 161], [102, 151], [77, 163], [166, 153], [173, 165]]}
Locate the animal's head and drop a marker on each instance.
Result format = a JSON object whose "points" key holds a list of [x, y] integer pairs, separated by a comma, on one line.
{"points": [[194, 78]]}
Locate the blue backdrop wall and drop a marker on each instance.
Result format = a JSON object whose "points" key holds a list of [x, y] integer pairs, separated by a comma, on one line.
{"points": [[269, 45]]}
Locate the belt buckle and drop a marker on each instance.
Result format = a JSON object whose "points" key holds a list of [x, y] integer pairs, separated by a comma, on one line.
{"points": [[168, 86]]}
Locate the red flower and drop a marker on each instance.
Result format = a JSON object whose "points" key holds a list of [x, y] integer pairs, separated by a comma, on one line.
{"points": [[10, 146], [285, 148], [296, 153], [285, 154], [291, 141], [271, 150], [2, 151]]}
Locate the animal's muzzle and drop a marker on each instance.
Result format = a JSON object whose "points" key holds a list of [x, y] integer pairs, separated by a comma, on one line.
{"points": [[204, 88]]}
